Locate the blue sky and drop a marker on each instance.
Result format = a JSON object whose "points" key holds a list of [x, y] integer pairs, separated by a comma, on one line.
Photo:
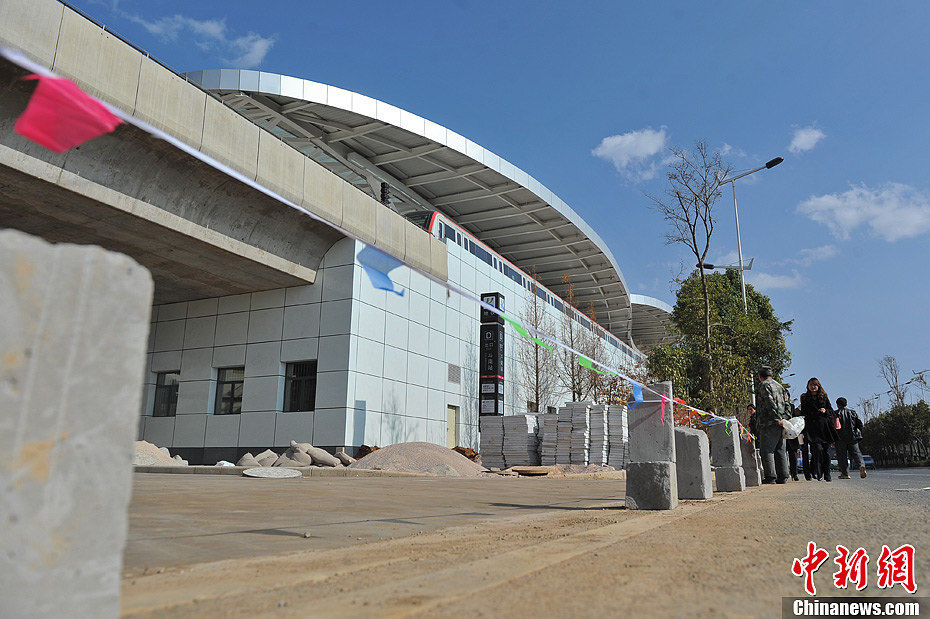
{"points": [[588, 96]]}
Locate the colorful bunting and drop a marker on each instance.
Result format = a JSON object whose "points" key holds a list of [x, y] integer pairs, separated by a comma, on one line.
{"points": [[522, 331], [585, 362], [61, 116], [377, 265]]}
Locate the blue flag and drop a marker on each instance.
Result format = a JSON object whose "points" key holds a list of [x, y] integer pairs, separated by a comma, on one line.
{"points": [[637, 396], [377, 265]]}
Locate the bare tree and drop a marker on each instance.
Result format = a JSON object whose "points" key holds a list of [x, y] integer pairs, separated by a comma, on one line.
{"points": [[536, 362], [571, 375], [890, 370], [688, 205], [593, 348], [867, 407]]}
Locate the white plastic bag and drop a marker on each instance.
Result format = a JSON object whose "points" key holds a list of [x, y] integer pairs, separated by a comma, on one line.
{"points": [[793, 427]]}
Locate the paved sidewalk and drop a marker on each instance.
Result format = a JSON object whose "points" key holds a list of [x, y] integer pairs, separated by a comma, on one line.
{"points": [[177, 520]]}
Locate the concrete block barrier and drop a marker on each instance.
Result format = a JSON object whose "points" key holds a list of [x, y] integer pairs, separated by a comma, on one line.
{"points": [[692, 452], [73, 337]]}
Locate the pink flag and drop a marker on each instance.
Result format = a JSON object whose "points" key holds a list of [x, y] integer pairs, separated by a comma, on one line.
{"points": [[60, 115]]}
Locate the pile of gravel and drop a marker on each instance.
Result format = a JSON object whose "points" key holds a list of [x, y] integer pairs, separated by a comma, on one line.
{"points": [[148, 454], [423, 458]]}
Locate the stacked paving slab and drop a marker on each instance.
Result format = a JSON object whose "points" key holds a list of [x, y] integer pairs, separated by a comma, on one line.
{"points": [[521, 447], [581, 431], [491, 431], [618, 437], [563, 449], [597, 452], [548, 433]]}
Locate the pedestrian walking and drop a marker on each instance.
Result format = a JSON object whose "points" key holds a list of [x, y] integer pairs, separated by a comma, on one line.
{"points": [[819, 423], [849, 435], [792, 445], [772, 409]]}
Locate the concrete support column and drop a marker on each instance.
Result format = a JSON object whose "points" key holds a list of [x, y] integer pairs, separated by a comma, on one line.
{"points": [[651, 480], [752, 463], [727, 456], [73, 337], [692, 452]]}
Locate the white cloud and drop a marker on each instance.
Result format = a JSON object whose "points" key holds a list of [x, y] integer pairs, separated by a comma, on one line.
{"points": [[805, 139], [893, 212], [211, 36], [767, 281], [634, 153], [807, 257]]}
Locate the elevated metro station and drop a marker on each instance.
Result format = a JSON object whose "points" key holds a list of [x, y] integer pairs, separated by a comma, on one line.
{"points": [[265, 328]]}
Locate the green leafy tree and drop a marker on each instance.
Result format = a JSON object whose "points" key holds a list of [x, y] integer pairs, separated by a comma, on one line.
{"points": [[740, 342]]}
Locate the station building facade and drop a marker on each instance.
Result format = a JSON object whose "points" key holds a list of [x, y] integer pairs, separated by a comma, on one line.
{"points": [[340, 363]]}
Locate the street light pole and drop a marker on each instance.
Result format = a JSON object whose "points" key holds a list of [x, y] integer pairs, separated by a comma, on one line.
{"points": [[739, 244]]}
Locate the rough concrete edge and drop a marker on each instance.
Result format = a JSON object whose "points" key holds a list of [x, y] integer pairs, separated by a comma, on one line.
{"points": [[306, 471]]}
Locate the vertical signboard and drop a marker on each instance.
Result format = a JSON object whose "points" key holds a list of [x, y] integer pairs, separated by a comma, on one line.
{"points": [[491, 357]]}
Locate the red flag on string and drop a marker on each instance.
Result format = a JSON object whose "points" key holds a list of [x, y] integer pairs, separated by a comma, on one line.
{"points": [[61, 116]]}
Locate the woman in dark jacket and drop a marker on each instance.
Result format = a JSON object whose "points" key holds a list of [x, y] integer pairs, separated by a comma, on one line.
{"points": [[819, 426]]}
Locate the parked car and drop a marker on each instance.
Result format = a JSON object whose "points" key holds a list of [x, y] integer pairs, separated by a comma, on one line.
{"points": [[868, 461]]}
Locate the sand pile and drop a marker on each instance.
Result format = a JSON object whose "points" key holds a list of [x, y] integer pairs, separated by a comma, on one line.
{"points": [[148, 454], [419, 458]]}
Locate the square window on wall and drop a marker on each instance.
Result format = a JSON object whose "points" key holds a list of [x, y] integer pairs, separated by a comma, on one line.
{"points": [[229, 382], [300, 386], [166, 394]]}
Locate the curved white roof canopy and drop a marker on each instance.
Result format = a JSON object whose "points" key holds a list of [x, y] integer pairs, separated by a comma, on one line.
{"points": [[651, 321], [367, 142]]}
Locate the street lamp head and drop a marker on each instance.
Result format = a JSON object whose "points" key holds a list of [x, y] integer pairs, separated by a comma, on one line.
{"points": [[774, 162], [706, 265]]}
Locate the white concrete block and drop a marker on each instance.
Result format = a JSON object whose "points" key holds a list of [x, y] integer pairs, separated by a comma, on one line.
{"points": [[76, 317]]}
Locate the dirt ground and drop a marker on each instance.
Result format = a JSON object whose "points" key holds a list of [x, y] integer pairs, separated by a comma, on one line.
{"points": [[730, 557]]}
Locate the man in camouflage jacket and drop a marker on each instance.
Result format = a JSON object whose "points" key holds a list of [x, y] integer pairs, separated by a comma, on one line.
{"points": [[771, 408]]}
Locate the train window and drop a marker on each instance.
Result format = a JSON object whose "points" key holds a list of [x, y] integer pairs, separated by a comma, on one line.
{"points": [[450, 233], [458, 238]]}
